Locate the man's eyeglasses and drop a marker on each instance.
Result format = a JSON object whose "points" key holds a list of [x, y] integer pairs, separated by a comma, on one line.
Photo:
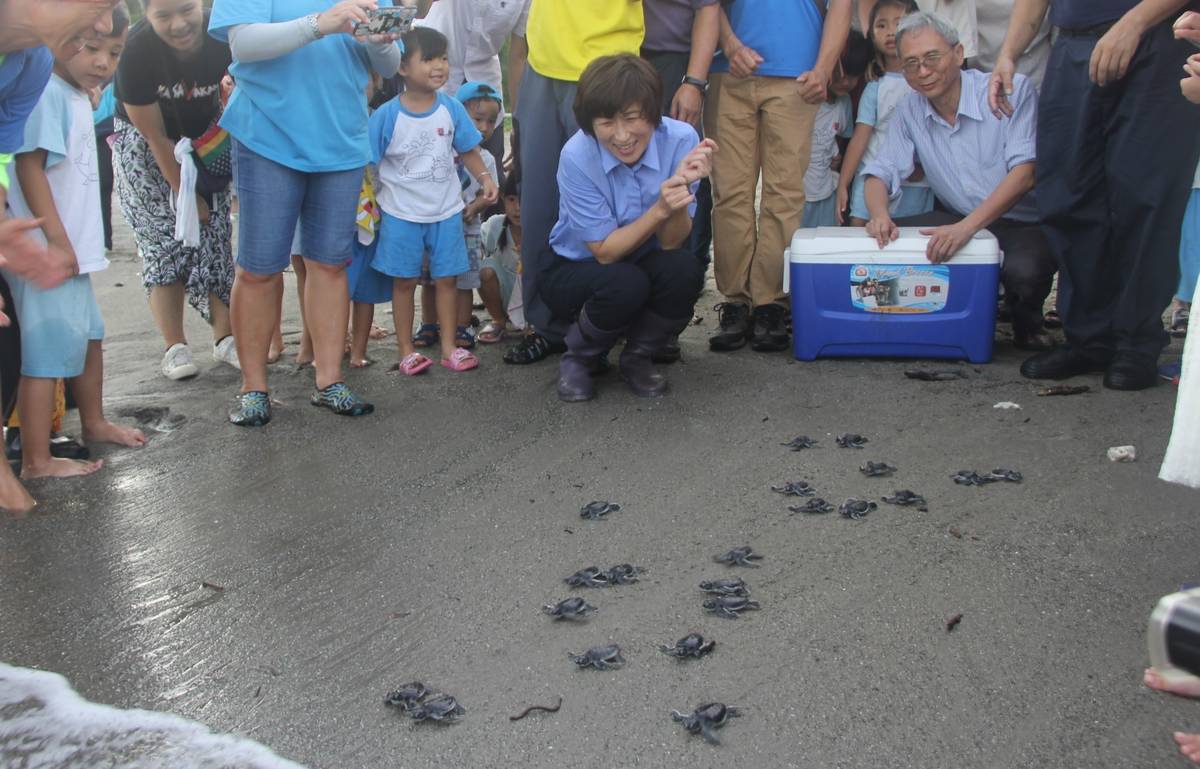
{"points": [[929, 61]]}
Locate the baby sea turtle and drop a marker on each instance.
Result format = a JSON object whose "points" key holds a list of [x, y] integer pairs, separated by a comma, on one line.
{"points": [[406, 696], [599, 657], [851, 441], [972, 478], [594, 511], [739, 556], [623, 574], [589, 577], [691, 645], [704, 719], [856, 509], [570, 608], [876, 469], [795, 489], [905, 498], [732, 586], [441, 707], [728, 606], [799, 443], [1001, 474], [813, 506]]}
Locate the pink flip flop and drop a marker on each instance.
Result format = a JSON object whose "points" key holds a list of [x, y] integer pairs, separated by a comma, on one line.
{"points": [[414, 363], [461, 360]]}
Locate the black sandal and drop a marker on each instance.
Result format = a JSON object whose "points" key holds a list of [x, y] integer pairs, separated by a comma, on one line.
{"points": [[532, 348]]}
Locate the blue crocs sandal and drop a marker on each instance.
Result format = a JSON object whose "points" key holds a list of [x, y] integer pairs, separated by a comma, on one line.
{"points": [[339, 399], [253, 409]]}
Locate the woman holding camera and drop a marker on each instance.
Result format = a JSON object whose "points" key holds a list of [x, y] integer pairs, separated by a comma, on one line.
{"points": [[299, 123]]}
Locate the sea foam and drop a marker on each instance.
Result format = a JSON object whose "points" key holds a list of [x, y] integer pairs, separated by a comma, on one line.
{"points": [[45, 724]]}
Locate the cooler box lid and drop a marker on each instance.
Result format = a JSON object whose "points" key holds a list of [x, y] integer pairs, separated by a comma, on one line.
{"points": [[852, 245]]}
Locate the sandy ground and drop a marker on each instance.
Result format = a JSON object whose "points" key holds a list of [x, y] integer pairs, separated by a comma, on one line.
{"points": [[420, 543]]}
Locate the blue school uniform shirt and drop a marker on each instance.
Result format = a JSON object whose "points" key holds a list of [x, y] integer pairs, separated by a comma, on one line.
{"points": [[786, 33], [305, 110], [598, 194], [415, 153], [23, 77]]}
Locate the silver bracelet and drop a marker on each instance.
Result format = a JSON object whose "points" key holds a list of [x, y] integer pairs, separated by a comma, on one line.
{"points": [[314, 25]]}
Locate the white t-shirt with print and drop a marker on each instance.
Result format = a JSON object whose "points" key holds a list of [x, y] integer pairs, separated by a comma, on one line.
{"points": [[475, 31], [418, 180], [61, 124], [833, 119]]}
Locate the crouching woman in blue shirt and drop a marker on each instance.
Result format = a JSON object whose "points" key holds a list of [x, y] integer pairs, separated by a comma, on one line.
{"points": [[626, 199]]}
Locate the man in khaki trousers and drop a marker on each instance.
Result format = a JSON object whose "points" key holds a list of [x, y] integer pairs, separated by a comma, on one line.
{"points": [[773, 71]]}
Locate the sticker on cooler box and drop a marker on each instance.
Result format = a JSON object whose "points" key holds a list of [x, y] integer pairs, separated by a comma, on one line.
{"points": [[899, 288]]}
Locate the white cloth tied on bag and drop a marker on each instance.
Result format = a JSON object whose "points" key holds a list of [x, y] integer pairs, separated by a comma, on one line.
{"points": [[187, 215], [1182, 462]]}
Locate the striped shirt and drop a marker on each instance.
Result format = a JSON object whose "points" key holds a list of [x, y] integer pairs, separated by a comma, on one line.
{"points": [[964, 163]]}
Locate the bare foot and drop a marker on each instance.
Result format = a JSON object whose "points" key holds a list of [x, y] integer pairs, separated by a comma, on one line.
{"points": [[107, 432], [1187, 686], [361, 362], [1189, 745], [13, 496], [379, 332], [60, 468]]}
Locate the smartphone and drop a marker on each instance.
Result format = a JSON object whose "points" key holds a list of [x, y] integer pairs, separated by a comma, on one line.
{"points": [[384, 21]]}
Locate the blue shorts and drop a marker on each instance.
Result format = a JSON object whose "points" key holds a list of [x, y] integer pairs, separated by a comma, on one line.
{"points": [[56, 326], [272, 198], [367, 285], [820, 213], [403, 245], [913, 201]]}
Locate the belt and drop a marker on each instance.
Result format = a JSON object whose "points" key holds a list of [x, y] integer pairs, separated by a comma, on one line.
{"points": [[1097, 30]]}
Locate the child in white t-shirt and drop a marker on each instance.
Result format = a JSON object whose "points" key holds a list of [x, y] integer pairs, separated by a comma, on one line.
{"points": [[414, 139], [500, 270], [834, 121], [57, 180]]}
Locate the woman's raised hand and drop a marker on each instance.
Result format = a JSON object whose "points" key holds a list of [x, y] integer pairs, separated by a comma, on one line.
{"points": [[697, 164], [341, 18]]}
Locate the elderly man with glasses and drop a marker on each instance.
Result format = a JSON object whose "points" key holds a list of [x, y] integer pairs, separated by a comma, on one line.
{"points": [[980, 167]]}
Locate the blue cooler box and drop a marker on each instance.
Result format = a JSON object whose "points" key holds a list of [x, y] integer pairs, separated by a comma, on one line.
{"points": [[851, 299]]}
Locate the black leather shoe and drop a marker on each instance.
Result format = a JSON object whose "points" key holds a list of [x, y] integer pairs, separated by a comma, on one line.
{"points": [[770, 329], [1061, 363], [734, 318], [1131, 371]]}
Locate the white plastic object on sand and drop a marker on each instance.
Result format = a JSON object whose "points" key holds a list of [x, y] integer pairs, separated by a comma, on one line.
{"points": [[1182, 461], [1122, 454], [1007, 406]]}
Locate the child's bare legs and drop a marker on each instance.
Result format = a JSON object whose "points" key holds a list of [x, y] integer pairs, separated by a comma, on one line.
{"points": [[89, 396], [361, 317], [429, 304], [447, 312], [489, 291], [305, 355], [464, 306], [403, 312], [35, 400]]}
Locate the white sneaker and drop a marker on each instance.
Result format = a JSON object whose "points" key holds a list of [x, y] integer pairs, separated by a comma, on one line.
{"points": [[225, 351], [178, 363]]}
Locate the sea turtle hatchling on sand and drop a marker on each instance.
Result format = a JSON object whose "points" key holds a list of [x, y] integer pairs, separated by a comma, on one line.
{"points": [[905, 498], [731, 586], [799, 443], [589, 577], [851, 441], [813, 507], [705, 719], [728, 606], [972, 478], [594, 511], [739, 556], [623, 574], [856, 509], [599, 657], [876, 469], [441, 707], [691, 645], [569, 608], [795, 489], [406, 695]]}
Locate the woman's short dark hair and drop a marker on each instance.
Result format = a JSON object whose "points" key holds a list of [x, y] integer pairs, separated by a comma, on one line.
{"points": [[613, 83], [427, 40]]}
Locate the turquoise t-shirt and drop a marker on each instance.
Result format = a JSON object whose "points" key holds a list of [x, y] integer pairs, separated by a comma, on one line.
{"points": [[306, 110], [786, 33]]}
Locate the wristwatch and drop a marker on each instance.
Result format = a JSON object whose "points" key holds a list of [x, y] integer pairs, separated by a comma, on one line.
{"points": [[314, 25], [701, 84]]}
